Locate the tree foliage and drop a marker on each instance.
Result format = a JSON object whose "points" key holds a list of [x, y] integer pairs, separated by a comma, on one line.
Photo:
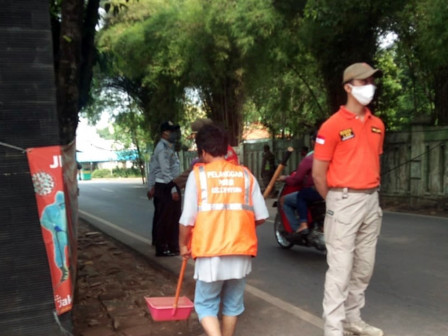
{"points": [[279, 62], [339, 33], [423, 42], [132, 60]]}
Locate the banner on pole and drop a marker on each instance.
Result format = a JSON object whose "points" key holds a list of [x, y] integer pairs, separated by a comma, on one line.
{"points": [[47, 175]]}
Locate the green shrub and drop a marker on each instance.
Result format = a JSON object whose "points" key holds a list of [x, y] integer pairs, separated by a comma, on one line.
{"points": [[126, 172], [101, 173], [116, 172]]}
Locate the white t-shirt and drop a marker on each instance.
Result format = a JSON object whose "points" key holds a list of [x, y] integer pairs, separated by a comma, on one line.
{"points": [[210, 269]]}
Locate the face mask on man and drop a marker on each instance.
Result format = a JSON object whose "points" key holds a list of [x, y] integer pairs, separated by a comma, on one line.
{"points": [[364, 93], [173, 137]]}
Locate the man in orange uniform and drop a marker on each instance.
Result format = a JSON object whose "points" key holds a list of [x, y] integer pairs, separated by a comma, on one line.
{"points": [[346, 172], [224, 204]]}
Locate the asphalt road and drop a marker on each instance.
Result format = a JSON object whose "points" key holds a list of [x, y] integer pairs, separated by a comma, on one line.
{"points": [[408, 294]]}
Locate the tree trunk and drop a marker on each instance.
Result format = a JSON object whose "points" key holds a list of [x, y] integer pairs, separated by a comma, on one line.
{"points": [[336, 95], [88, 51], [74, 61], [67, 79], [225, 107]]}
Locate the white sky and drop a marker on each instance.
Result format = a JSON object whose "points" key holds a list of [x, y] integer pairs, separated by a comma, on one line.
{"points": [[387, 40], [87, 136]]}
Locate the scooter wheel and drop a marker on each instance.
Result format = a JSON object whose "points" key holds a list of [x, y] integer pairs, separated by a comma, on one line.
{"points": [[279, 233]]}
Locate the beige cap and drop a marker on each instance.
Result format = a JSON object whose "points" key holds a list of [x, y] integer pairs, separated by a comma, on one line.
{"points": [[198, 123], [359, 71]]}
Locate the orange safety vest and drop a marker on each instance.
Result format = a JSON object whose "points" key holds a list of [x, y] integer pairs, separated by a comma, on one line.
{"points": [[225, 223]]}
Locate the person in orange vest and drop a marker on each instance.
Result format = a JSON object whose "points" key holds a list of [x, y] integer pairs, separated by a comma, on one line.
{"points": [[223, 205], [230, 156]]}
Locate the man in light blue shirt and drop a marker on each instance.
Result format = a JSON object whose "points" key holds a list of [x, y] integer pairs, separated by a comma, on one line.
{"points": [[164, 166]]}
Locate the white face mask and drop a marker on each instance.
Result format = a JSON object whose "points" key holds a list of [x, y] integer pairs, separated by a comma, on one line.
{"points": [[363, 94]]}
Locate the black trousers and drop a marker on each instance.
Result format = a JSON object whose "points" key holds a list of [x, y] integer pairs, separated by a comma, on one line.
{"points": [[267, 176], [165, 230]]}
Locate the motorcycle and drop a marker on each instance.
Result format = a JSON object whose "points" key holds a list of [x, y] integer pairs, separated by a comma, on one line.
{"points": [[284, 233], [282, 229]]}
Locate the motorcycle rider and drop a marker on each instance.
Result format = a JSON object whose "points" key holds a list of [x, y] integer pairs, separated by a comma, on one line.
{"points": [[299, 200], [307, 195]]}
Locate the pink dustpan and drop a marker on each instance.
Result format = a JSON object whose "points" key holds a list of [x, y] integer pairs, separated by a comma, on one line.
{"points": [[171, 308], [162, 308]]}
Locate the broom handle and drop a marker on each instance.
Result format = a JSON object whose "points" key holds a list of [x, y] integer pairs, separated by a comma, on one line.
{"points": [[278, 171], [179, 282]]}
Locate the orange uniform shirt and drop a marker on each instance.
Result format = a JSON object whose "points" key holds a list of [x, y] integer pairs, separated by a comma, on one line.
{"points": [[353, 149]]}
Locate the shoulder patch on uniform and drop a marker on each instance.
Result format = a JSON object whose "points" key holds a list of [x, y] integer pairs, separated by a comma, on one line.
{"points": [[346, 134], [376, 130], [320, 139]]}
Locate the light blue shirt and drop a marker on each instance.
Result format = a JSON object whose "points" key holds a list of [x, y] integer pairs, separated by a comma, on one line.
{"points": [[164, 165]]}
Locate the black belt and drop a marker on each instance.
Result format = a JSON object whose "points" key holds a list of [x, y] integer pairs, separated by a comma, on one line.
{"points": [[361, 191]]}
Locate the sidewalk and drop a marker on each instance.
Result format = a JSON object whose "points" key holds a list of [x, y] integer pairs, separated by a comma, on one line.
{"points": [[113, 279], [264, 315]]}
